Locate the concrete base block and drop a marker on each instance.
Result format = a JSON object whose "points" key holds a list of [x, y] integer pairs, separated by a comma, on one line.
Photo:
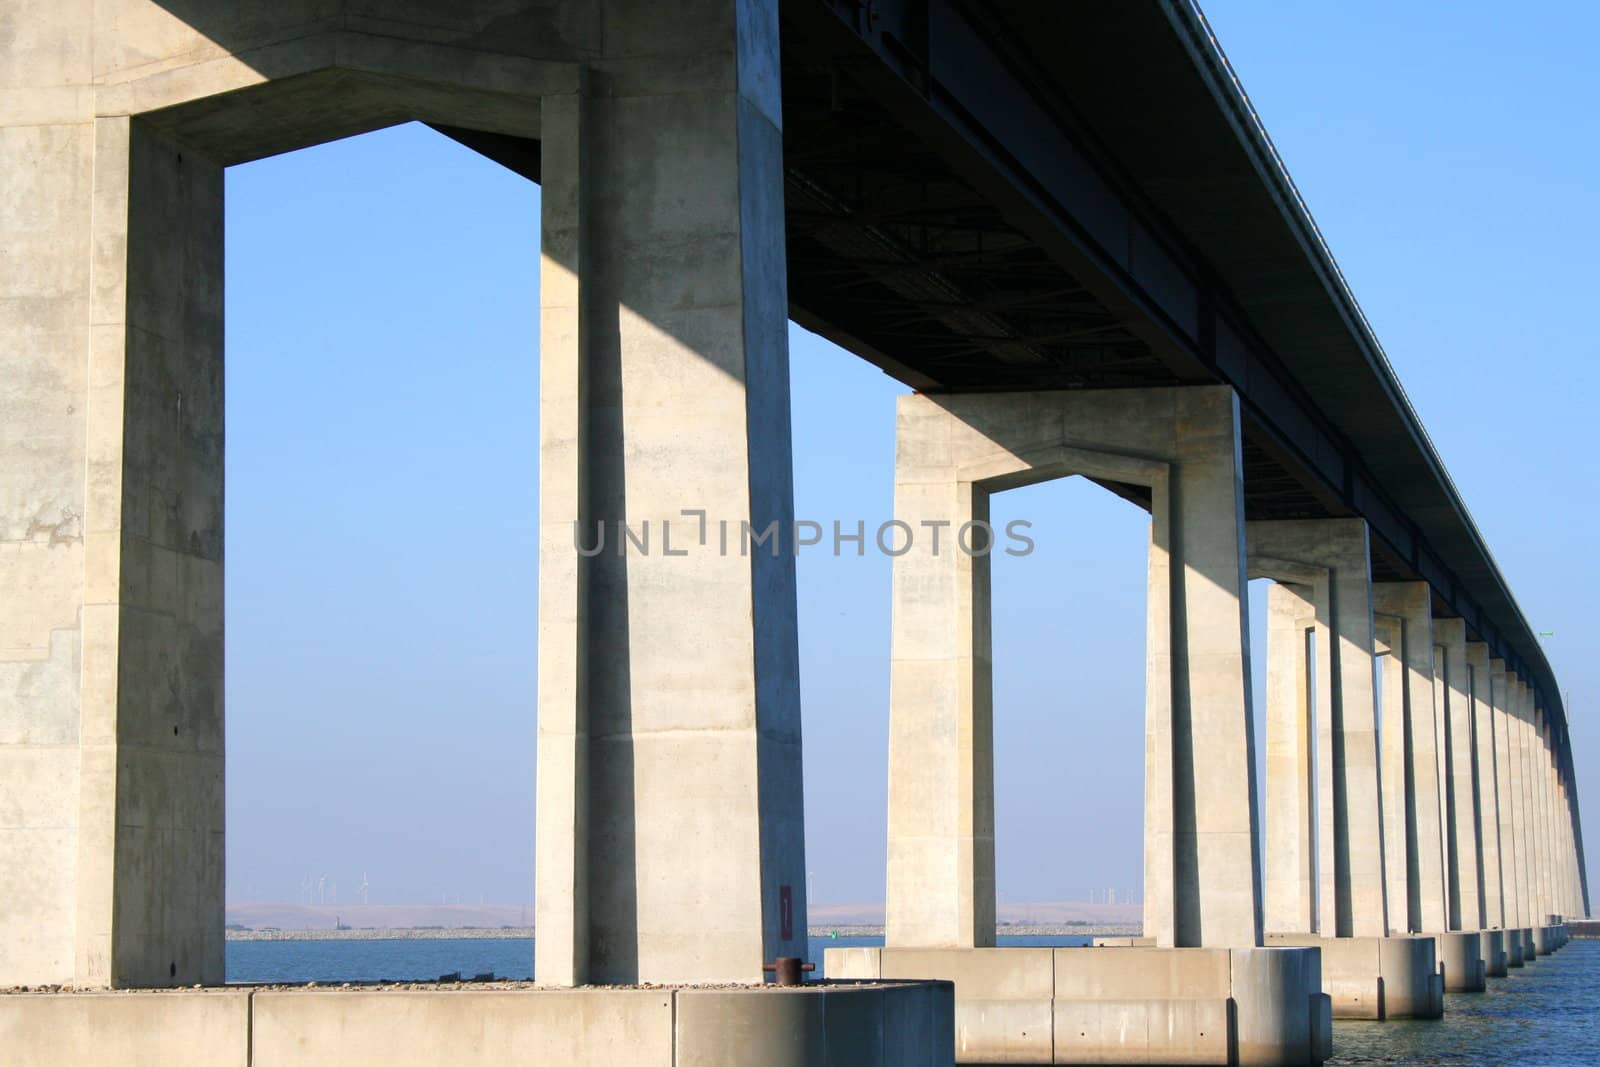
{"points": [[169, 1028], [1376, 977], [1530, 951], [1461, 961], [823, 1024], [1127, 1004], [1493, 945]]}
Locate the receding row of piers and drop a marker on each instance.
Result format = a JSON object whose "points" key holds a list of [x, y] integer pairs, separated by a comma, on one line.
{"points": [[1419, 831], [1414, 783]]}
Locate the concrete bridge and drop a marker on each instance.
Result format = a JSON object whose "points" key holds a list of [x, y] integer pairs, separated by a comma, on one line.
{"points": [[1080, 272]]}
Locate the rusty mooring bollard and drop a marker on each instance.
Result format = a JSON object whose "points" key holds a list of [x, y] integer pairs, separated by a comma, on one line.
{"points": [[787, 970]]}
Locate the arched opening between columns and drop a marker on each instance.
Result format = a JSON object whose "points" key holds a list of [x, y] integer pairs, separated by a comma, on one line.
{"points": [[382, 390], [1069, 634]]}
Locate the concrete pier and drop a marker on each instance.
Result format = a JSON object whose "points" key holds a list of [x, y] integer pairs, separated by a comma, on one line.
{"points": [[1202, 885], [1352, 893], [1461, 961], [1415, 749]]}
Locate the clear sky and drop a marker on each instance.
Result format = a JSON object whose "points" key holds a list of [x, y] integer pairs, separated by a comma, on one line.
{"points": [[382, 470]]}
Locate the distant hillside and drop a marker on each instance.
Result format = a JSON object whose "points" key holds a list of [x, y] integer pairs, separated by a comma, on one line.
{"points": [[1039, 912], [321, 916]]}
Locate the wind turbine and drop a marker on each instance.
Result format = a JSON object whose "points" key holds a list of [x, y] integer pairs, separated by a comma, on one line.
{"points": [[363, 887]]}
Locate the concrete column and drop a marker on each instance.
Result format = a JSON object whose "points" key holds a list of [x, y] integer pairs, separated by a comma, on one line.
{"points": [[1354, 881], [670, 840], [1486, 780], [1389, 645], [1461, 815], [1426, 902], [1527, 905], [46, 221], [1546, 852], [1572, 902], [1299, 688], [1200, 840], [111, 739], [1501, 684], [1530, 817]]}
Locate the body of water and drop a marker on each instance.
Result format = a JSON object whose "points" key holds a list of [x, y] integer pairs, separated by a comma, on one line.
{"points": [[1547, 1013]]}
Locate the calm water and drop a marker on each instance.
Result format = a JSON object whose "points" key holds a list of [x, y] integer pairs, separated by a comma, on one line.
{"points": [[1547, 1013]]}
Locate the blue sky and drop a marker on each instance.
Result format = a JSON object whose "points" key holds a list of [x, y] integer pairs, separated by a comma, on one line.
{"points": [[382, 470]]}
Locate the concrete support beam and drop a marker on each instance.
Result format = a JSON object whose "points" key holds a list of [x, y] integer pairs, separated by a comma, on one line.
{"points": [[1541, 803], [664, 389], [1425, 902], [1485, 784], [1501, 686], [111, 738], [1461, 814], [1299, 797], [1394, 767], [1354, 880], [1200, 841], [1516, 695]]}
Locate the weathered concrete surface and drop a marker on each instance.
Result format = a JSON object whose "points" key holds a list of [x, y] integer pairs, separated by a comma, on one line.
{"points": [[1202, 882], [1377, 977], [1352, 869], [819, 1025], [1120, 1005], [176, 1028]]}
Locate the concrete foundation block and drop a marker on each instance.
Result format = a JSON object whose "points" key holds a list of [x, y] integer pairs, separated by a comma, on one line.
{"points": [[1180, 1031], [1461, 961], [369, 1028], [176, 1028], [1493, 946], [821, 1025], [1135, 1004], [1322, 1022], [1530, 950], [1277, 1003], [1376, 977], [1513, 942], [832, 1024]]}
